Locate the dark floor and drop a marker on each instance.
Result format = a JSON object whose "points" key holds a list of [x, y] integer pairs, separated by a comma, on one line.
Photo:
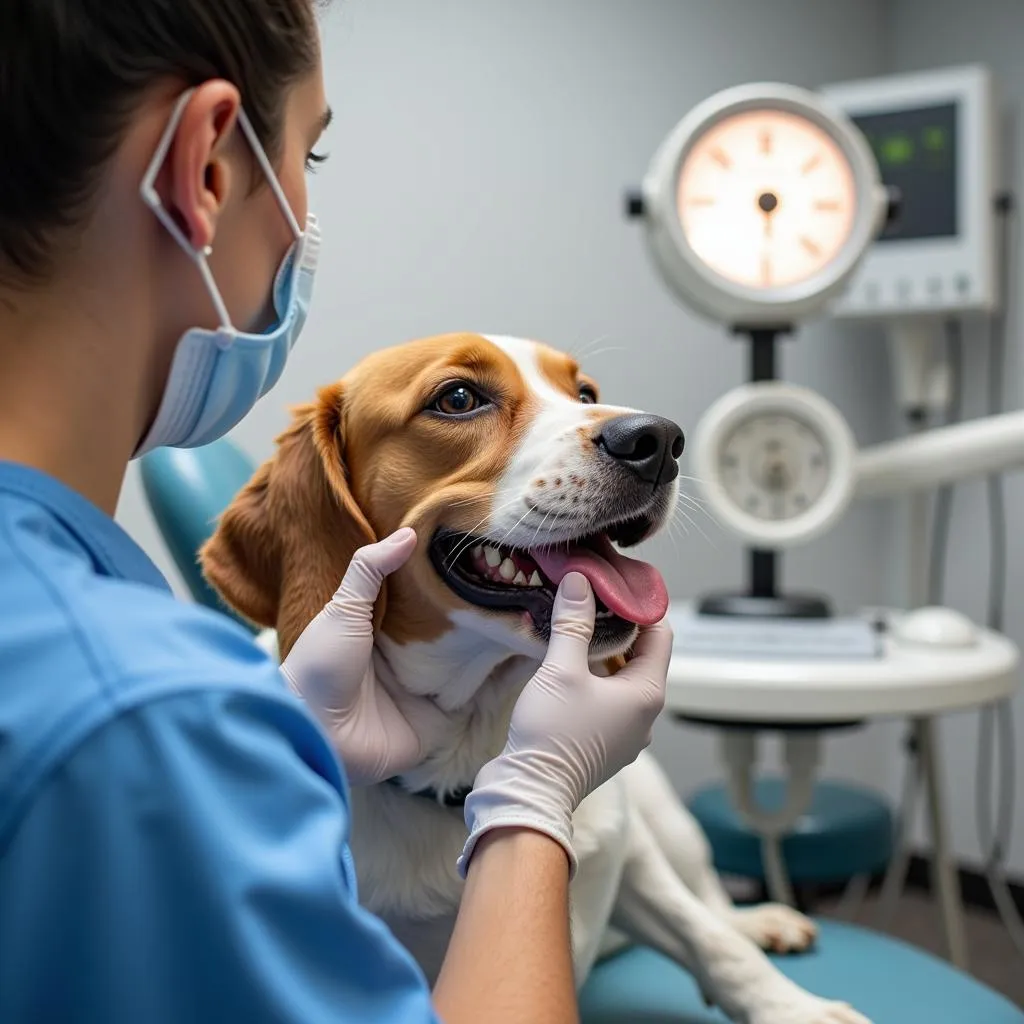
{"points": [[994, 959]]}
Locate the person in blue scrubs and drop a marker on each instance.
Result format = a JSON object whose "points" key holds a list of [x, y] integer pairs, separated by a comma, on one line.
{"points": [[173, 819]]}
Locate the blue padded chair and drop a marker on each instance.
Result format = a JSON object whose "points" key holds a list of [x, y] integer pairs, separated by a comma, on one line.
{"points": [[847, 831], [187, 489], [886, 980]]}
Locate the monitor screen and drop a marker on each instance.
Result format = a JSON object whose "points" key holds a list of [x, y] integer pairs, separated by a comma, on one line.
{"points": [[916, 152]]}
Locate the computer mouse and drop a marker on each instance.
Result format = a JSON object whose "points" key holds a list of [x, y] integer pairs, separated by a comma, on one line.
{"points": [[935, 627]]}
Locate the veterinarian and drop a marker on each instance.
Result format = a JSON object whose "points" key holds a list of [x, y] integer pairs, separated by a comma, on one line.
{"points": [[173, 823]]}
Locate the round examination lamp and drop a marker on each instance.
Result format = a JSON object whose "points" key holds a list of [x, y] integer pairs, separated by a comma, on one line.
{"points": [[758, 208], [760, 204]]}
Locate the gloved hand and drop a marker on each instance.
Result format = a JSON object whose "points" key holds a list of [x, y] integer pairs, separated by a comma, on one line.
{"points": [[570, 730], [377, 733]]}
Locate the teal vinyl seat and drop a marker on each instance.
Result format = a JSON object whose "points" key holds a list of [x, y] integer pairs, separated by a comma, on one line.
{"points": [[846, 831], [187, 489], [886, 980]]}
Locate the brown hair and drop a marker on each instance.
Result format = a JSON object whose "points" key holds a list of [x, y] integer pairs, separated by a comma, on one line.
{"points": [[72, 71]]}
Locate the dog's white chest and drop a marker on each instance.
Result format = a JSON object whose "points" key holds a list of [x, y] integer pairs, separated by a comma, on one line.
{"points": [[405, 848]]}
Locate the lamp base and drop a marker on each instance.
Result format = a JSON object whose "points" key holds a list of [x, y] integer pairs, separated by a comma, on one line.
{"points": [[782, 606]]}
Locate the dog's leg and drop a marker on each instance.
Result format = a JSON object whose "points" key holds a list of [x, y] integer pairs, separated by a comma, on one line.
{"points": [[655, 908], [771, 925]]}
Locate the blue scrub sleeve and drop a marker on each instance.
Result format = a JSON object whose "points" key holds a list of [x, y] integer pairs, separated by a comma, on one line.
{"points": [[187, 863]]}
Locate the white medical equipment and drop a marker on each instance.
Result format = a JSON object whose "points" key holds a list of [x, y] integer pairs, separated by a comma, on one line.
{"points": [[933, 135], [758, 208], [761, 212], [778, 464]]}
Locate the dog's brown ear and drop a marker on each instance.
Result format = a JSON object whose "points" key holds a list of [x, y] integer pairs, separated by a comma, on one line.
{"points": [[242, 560], [283, 545]]}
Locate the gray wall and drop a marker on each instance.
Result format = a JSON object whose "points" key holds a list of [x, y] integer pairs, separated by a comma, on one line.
{"points": [[478, 160]]}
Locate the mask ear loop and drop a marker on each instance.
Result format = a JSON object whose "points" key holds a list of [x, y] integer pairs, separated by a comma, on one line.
{"points": [[275, 186]]}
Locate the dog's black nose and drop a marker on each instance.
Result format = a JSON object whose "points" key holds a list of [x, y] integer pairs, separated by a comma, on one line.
{"points": [[648, 445]]}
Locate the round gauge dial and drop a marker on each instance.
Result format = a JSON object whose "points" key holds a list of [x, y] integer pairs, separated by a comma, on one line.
{"points": [[774, 466], [766, 198], [775, 462]]}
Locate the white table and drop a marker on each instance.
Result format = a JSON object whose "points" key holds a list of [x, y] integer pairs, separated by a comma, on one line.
{"points": [[802, 698]]}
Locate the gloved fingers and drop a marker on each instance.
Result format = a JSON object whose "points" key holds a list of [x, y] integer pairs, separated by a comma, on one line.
{"points": [[429, 724], [390, 741], [572, 623], [366, 762], [329, 663], [651, 656], [365, 574]]}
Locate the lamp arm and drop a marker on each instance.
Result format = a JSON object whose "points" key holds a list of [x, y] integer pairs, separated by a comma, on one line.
{"points": [[990, 444]]}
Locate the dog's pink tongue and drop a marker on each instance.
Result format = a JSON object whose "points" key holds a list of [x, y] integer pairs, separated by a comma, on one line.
{"points": [[631, 589]]}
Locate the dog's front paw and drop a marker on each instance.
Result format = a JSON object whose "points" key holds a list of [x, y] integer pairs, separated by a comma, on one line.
{"points": [[803, 1008], [775, 927]]}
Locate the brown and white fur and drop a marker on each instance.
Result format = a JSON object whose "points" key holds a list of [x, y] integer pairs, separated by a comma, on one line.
{"points": [[374, 453]]}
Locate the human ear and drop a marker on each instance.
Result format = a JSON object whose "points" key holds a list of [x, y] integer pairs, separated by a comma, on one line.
{"points": [[197, 173]]}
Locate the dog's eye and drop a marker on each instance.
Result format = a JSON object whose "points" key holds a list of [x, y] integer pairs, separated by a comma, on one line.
{"points": [[457, 401], [588, 396]]}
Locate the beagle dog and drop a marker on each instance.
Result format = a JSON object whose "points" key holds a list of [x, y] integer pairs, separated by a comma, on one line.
{"points": [[501, 455]]}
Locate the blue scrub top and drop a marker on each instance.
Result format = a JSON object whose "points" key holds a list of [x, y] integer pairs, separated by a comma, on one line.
{"points": [[173, 824]]}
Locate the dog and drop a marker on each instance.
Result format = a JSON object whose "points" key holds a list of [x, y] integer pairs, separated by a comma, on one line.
{"points": [[501, 455]]}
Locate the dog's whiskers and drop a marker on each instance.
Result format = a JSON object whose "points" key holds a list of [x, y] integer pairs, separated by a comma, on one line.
{"points": [[691, 499], [691, 479], [468, 537], [693, 502], [472, 500], [543, 523], [604, 351], [671, 531], [461, 546], [680, 511], [696, 509], [584, 351], [531, 508]]}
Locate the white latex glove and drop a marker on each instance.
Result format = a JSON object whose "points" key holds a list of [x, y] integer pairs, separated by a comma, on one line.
{"points": [[376, 732], [570, 730]]}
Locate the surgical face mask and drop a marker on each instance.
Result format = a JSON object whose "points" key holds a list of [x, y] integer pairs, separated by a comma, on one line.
{"points": [[217, 376]]}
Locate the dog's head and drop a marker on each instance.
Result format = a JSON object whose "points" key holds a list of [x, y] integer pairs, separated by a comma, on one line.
{"points": [[501, 456]]}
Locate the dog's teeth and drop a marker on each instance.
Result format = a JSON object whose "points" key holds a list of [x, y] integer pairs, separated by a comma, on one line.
{"points": [[507, 569], [520, 579], [535, 580], [492, 556]]}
